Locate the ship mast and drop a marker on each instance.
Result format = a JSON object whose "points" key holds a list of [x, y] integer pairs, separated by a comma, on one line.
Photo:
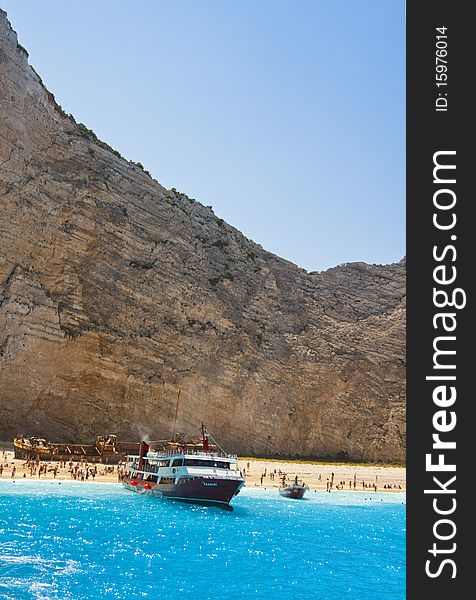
{"points": [[205, 444], [175, 419]]}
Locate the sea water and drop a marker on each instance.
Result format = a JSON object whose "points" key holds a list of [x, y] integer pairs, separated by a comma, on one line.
{"points": [[73, 540]]}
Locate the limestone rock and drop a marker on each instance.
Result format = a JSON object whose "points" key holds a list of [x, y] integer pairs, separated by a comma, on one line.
{"points": [[116, 292]]}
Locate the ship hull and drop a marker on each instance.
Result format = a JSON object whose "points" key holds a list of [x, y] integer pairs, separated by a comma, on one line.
{"points": [[200, 490], [293, 491], [75, 452], [23, 452]]}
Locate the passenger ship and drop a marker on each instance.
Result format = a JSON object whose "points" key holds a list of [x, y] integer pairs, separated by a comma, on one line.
{"points": [[185, 473]]}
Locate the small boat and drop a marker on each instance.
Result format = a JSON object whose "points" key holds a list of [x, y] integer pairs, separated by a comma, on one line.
{"points": [[193, 473], [297, 489]]}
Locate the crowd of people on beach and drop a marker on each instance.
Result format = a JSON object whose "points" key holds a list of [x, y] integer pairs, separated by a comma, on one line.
{"points": [[281, 475], [352, 484], [77, 470]]}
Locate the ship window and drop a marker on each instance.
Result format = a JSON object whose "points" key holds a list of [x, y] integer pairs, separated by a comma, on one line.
{"points": [[178, 462], [213, 464], [161, 463], [221, 465], [152, 478]]}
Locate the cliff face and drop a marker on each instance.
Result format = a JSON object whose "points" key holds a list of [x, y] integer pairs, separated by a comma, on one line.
{"points": [[116, 292]]}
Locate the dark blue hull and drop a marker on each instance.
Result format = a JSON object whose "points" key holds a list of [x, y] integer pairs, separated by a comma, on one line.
{"points": [[199, 490]]}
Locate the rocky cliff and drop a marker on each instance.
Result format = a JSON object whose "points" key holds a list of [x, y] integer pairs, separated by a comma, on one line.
{"points": [[116, 292]]}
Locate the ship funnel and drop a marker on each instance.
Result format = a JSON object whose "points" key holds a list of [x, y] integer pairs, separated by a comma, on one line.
{"points": [[206, 445], [144, 448]]}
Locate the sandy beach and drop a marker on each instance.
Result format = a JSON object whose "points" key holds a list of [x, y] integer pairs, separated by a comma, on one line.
{"points": [[262, 473], [319, 476]]}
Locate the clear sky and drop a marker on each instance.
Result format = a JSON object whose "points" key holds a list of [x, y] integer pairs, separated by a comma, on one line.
{"points": [[288, 117]]}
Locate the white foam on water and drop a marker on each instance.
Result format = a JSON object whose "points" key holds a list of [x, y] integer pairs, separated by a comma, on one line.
{"points": [[60, 567], [38, 590]]}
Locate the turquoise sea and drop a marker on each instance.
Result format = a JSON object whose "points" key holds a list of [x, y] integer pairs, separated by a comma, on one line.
{"points": [[78, 541]]}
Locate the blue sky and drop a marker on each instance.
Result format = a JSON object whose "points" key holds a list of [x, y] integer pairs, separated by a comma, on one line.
{"points": [[288, 117]]}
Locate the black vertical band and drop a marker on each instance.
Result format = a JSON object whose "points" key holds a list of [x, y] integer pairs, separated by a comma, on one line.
{"points": [[440, 260]]}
